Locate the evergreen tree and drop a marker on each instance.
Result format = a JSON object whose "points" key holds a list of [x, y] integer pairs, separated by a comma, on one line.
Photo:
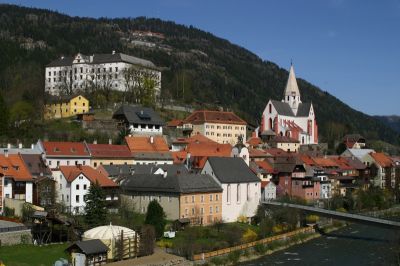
{"points": [[4, 117], [156, 217], [95, 209]]}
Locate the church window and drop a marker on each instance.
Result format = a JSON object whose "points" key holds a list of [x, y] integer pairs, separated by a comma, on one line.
{"points": [[270, 123], [270, 108], [281, 133]]}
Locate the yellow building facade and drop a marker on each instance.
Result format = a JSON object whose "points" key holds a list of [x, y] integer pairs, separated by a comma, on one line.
{"points": [[66, 107]]}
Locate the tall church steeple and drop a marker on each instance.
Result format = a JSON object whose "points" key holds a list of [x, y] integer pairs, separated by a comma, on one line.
{"points": [[292, 93]]}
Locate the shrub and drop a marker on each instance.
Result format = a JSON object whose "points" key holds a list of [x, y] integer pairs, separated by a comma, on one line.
{"points": [[260, 249], [312, 218], [234, 256], [218, 261], [249, 236], [242, 219]]}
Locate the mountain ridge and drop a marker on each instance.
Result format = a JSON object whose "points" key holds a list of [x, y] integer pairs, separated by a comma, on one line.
{"points": [[198, 67]]}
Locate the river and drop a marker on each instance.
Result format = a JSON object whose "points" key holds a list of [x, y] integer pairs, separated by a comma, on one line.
{"points": [[353, 245]]}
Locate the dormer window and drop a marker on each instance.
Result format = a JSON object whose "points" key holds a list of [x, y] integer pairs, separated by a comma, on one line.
{"points": [[73, 150], [56, 149]]}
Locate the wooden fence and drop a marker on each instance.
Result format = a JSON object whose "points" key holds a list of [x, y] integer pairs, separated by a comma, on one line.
{"points": [[263, 241]]}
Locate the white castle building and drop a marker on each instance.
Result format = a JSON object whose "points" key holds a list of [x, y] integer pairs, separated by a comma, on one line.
{"points": [[291, 117], [81, 71]]}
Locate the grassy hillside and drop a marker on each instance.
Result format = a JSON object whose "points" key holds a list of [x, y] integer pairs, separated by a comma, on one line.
{"points": [[198, 67]]}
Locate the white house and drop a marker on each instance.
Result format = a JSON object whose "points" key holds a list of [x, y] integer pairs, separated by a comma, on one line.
{"points": [[64, 153], [73, 182], [81, 71], [268, 189], [241, 187]]}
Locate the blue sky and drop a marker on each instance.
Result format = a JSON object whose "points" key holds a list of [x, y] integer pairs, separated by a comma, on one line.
{"points": [[349, 48]]}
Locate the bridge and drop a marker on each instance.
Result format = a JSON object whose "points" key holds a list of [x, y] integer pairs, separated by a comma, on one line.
{"points": [[357, 218]]}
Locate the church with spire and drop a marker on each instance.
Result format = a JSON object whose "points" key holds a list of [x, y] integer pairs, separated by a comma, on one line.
{"points": [[290, 117]]}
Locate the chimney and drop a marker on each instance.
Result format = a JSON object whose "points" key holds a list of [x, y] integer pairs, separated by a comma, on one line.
{"points": [[32, 146], [95, 141], [113, 51], [80, 166], [20, 145], [8, 145], [110, 141], [165, 174], [5, 152], [62, 57], [151, 139], [188, 160]]}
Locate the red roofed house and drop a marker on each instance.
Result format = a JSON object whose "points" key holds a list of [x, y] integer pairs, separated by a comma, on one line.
{"points": [[73, 182], [17, 181], [285, 143], [385, 172], [254, 141], [222, 127], [64, 153], [149, 149], [109, 154]]}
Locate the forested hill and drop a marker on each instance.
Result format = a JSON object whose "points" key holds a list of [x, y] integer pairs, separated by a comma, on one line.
{"points": [[198, 67]]}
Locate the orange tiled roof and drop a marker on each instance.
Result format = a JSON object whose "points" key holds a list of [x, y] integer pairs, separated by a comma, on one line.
{"points": [[209, 149], [13, 166], [179, 156], [306, 159], [109, 151], [254, 141], [342, 162], [382, 159], [203, 116], [144, 144], [72, 172], [257, 153], [54, 148], [324, 162]]}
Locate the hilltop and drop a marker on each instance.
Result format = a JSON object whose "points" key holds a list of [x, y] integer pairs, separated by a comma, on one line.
{"points": [[199, 68]]}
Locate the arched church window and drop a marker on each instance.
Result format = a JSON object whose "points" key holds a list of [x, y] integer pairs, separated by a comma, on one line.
{"points": [[270, 123], [270, 108], [302, 140], [281, 133]]}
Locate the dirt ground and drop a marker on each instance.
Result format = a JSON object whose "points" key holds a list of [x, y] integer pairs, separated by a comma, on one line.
{"points": [[159, 258]]}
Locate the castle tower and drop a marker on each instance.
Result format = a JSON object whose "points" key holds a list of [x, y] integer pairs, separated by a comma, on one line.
{"points": [[292, 93]]}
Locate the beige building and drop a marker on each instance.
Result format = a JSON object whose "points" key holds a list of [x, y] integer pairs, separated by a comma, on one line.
{"points": [[222, 127], [285, 143]]}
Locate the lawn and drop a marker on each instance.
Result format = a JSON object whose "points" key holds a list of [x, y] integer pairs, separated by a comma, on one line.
{"points": [[29, 255]]}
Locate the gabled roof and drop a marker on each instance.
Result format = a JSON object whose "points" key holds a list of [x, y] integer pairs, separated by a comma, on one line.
{"points": [[171, 183], [382, 159], [232, 170], [359, 153], [175, 123], [205, 116], [109, 151], [137, 144], [63, 61], [72, 172], [13, 166], [89, 247], [35, 164], [65, 149], [303, 110], [138, 115], [127, 169], [254, 141], [282, 108], [265, 166]]}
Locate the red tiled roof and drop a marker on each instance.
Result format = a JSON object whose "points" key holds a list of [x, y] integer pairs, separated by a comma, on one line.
{"points": [[209, 149], [203, 116], [381, 159], [109, 151], [276, 152], [14, 167], [65, 148], [72, 172], [306, 159], [257, 153], [144, 144], [265, 166], [342, 162]]}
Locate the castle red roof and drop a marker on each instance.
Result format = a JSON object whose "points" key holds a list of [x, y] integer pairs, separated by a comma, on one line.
{"points": [[53, 148]]}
